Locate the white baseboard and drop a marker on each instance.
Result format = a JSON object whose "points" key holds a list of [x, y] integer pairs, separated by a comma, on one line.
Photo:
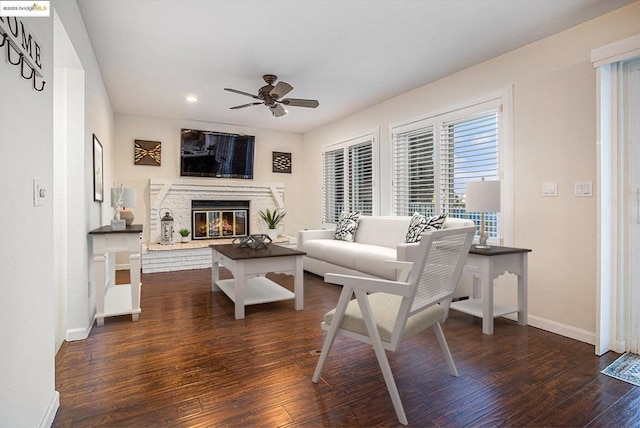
{"points": [[122, 266], [559, 328], [79, 333], [52, 409]]}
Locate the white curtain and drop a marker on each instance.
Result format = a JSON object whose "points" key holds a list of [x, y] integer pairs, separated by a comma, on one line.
{"points": [[618, 298]]}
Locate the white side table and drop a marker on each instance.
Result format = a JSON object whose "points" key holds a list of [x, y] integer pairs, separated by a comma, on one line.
{"points": [[485, 265], [112, 300]]}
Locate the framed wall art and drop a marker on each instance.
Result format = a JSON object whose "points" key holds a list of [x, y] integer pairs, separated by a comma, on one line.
{"points": [[282, 162], [98, 173], [147, 152]]}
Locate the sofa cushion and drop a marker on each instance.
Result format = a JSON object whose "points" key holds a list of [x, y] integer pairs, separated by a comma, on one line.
{"points": [[382, 230], [347, 227], [341, 253], [371, 258], [351, 255]]}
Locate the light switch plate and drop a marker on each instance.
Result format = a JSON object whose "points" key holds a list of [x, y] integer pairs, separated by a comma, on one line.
{"points": [[38, 192], [550, 189], [583, 189]]}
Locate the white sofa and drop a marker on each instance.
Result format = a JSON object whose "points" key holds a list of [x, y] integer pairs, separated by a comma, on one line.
{"points": [[377, 239]]}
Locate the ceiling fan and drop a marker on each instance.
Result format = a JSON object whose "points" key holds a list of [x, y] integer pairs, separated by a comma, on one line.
{"points": [[271, 96]]}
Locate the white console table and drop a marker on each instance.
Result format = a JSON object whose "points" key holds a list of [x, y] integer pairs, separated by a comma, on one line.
{"points": [[123, 299], [485, 265]]}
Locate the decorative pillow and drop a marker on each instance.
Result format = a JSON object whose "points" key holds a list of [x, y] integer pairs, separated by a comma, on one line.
{"points": [[420, 223], [416, 227], [347, 227]]}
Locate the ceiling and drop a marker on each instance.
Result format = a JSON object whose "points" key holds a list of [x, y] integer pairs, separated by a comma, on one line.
{"points": [[348, 55]]}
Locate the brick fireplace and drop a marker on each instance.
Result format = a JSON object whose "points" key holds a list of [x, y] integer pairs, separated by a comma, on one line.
{"points": [[179, 195]]}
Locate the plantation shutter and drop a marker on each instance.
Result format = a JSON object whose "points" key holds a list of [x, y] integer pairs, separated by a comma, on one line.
{"points": [[435, 157], [348, 178], [361, 178], [414, 175], [332, 185], [468, 152]]}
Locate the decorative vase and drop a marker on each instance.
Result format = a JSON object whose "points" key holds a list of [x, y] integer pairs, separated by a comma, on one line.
{"points": [[272, 233], [184, 239]]}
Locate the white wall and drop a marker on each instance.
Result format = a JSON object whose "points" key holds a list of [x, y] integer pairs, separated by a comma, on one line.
{"points": [[83, 214], [554, 140], [27, 386], [129, 128], [32, 305]]}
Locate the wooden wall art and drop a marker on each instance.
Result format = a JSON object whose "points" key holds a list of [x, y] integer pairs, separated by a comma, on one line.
{"points": [[282, 162], [147, 153]]}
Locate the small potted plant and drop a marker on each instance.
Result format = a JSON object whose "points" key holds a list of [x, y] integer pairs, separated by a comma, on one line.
{"points": [[272, 219], [185, 235]]}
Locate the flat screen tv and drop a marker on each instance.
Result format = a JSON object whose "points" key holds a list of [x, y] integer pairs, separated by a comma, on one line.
{"points": [[216, 154]]}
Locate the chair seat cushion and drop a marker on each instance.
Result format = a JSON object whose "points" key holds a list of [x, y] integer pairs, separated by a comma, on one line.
{"points": [[385, 309]]}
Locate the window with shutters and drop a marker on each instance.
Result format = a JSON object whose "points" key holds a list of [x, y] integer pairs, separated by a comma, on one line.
{"points": [[348, 178], [435, 157]]}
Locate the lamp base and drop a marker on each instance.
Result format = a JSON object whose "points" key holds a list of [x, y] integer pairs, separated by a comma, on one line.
{"points": [[118, 224], [482, 242], [127, 215]]}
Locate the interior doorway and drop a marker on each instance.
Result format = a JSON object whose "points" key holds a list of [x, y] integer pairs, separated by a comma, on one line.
{"points": [[70, 274]]}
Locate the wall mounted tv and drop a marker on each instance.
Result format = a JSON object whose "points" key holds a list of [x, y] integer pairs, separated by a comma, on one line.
{"points": [[216, 154]]}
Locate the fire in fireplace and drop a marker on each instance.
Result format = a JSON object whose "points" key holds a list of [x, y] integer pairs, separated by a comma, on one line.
{"points": [[219, 219]]}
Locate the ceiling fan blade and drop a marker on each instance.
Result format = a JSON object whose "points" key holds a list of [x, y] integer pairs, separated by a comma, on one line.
{"points": [[280, 90], [297, 102], [245, 105], [242, 93], [278, 110]]}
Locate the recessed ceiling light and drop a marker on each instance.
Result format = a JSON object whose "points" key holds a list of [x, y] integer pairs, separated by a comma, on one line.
{"points": [[191, 98]]}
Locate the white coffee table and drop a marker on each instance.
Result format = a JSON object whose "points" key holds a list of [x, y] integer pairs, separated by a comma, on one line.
{"points": [[249, 286]]}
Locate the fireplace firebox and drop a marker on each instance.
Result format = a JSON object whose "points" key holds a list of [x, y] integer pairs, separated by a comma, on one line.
{"points": [[219, 219]]}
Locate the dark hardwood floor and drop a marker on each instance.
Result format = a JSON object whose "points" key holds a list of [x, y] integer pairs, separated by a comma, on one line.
{"points": [[188, 362]]}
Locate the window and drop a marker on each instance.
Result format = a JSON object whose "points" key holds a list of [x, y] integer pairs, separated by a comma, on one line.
{"points": [[434, 158], [348, 178]]}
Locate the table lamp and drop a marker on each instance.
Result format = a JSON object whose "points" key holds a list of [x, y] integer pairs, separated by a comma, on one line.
{"points": [[121, 198], [483, 197]]}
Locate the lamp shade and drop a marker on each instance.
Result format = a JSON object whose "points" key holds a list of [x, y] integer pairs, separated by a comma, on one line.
{"points": [[483, 196], [128, 197]]}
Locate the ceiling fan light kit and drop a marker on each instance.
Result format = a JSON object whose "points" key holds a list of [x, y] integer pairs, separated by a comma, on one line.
{"points": [[271, 96]]}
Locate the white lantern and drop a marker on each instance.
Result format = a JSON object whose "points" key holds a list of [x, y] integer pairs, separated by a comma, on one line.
{"points": [[166, 228]]}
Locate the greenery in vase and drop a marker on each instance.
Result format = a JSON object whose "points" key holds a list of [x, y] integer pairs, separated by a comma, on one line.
{"points": [[272, 218], [184, 232]]}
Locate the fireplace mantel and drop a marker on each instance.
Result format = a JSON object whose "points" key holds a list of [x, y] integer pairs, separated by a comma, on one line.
{"points": [[176, 194]]}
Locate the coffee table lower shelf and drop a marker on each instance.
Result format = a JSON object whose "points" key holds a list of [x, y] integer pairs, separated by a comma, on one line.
{"points": [[257, 290]]}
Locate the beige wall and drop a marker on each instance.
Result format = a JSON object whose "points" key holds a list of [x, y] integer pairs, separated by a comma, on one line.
{"points": [[554, 135], [129, 128]]}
